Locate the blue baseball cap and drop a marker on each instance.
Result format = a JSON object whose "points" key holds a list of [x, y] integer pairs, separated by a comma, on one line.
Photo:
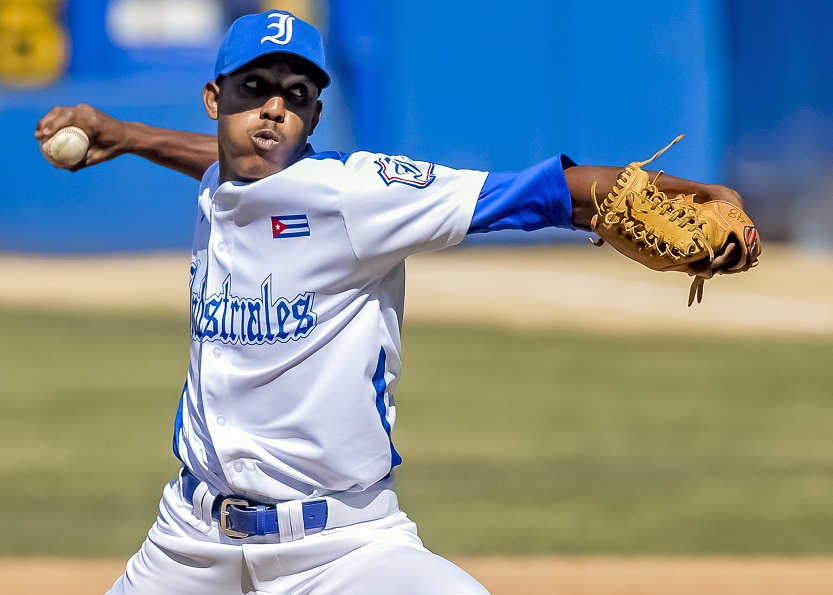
{"points": [[273, 32]]}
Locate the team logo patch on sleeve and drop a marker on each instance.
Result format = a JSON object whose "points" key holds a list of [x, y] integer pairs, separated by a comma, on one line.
{"points": [[290, 226], [404, 171]]}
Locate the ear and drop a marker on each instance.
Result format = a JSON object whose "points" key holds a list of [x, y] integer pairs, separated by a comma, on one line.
{"points": [[316, 117], [210, 99]]}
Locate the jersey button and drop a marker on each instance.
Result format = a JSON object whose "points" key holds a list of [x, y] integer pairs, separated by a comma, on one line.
{"points": [[238, 466], [217, 351], [221, 421], [221, 246]]}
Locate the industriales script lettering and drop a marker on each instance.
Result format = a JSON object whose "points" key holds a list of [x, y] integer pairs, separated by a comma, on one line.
{"points": [[264, 319]]}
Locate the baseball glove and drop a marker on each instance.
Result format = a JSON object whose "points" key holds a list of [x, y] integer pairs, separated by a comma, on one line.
{"points": [[671, 233]]}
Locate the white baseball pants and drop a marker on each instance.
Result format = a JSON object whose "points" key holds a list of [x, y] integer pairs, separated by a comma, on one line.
{"points": [[185, 556]]}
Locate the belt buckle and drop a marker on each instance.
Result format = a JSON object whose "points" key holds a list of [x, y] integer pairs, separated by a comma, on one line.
{"points": [[227, 531]]}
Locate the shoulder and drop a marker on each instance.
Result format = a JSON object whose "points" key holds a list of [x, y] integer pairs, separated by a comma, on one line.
{"points": [[344, 160], [387, 170], [326, 156], [365, 170], [368, 166]]}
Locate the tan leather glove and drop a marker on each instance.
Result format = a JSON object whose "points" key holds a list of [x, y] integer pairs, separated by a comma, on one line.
{"points": [[671, 233]]}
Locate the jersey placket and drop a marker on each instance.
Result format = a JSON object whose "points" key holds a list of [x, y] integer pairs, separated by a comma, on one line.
{"points": [[215, 355]]}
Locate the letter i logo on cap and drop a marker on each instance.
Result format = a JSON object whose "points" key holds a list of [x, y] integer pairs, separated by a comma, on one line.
{"points": [[284, 27]]}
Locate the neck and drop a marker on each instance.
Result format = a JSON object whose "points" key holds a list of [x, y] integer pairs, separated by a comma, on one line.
{"points": [[264, 169]]}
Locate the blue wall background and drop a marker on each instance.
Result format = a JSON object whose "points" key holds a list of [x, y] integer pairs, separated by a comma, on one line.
{"points": [[477, 84]]}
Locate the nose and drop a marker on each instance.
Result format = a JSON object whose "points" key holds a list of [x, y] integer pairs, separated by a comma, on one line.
{"points": [[274, 109]]}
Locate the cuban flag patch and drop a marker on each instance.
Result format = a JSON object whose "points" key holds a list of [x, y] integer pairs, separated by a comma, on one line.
{"points": [[404, 171], [290, 226]]}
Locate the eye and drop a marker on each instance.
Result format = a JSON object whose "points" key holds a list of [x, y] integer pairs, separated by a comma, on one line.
{"points": [[298, 93], [253, 84]]}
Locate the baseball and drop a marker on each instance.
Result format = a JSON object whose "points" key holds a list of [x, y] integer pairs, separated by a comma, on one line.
{"points": [[66, 147]]}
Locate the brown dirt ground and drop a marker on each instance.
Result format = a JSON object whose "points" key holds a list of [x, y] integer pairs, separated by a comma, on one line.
{"points": [[511, 576], [561, 287], [574, 286]]}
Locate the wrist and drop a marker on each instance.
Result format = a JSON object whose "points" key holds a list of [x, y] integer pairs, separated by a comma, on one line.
{"points": [[724, 193], [133, 138]]}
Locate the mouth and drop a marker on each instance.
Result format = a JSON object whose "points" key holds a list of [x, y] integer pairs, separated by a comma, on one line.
{"points": [[266, 139]]}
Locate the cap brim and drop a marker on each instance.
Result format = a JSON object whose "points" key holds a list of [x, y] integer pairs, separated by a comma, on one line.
{"points": [[234, 66]]}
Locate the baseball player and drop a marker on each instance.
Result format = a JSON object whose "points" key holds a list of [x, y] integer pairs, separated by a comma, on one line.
{"points": [[296, 301]]}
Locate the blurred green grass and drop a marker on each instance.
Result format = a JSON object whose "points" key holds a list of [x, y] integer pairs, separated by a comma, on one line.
{"points": [[515, 442]]}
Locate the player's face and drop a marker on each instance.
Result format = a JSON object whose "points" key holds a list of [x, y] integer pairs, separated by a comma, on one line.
{"points": [[265, 111]]}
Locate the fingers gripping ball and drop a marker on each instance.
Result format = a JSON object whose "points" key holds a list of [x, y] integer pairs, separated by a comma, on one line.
{"points": [[67, 147], [671, 233]]}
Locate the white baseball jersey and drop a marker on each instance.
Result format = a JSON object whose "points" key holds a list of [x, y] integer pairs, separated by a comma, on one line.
{"points": [[297, 293]]}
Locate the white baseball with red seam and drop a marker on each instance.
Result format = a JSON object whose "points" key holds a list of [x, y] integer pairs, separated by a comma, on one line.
{"points": [[66, 147]]}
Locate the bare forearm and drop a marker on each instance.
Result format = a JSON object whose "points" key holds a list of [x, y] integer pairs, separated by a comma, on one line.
{"points": [[189, 153], [580, 179]]}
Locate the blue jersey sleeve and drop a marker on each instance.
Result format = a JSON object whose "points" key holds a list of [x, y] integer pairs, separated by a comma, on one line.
{"points": [[532, 199]]}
